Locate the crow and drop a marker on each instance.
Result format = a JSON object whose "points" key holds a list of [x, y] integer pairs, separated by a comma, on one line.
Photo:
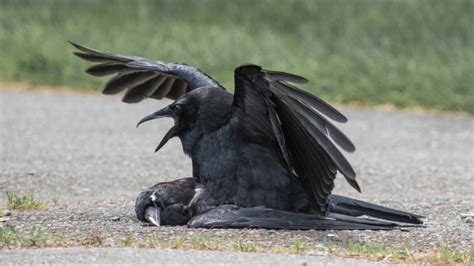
{"points": [[264, 157]]}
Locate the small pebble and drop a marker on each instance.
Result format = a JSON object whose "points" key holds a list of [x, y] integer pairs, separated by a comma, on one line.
{"points": [[115, 218], [467, 217]]}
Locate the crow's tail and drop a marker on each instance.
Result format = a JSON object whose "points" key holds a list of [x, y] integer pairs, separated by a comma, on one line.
{"points": [[231, 216], [352, 207]]}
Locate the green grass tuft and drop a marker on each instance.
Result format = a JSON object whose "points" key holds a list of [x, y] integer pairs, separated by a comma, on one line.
{"points": [[176, 244], [9, 236], [446, 254], [93, 239], [298, 247], [149, 242], [382, 252], [16, 202], [244, 247], [379, 251], [127, 240], [405, 53], [198, 242]]}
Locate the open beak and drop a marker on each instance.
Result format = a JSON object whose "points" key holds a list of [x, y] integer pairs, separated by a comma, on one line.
{"points": [[165, 112], [152, 214], [171, 133]]}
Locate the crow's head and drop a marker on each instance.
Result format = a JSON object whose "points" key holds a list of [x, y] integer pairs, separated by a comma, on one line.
{"points": [[149, 210], [196, 113]]}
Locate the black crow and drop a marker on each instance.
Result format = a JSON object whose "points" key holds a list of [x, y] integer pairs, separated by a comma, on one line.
{"points": [[266, 154]]}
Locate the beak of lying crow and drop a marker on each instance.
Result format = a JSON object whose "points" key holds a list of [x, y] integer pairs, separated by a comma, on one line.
{"points": [[152, 215]]}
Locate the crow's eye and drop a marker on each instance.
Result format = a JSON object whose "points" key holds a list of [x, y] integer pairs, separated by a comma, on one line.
{"points": [[177, 109]]}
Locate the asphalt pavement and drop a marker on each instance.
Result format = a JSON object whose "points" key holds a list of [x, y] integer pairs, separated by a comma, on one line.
{"points": [[83, 155]]}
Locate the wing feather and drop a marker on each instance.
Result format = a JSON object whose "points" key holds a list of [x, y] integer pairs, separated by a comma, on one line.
{"points": [[105, 69], [144, 90], [96, 58], [296, 119], [314, 170], [164, 89], [278, 75], [143, 78], [314, 102], [122, 81], [177, 88], [323, 125]]}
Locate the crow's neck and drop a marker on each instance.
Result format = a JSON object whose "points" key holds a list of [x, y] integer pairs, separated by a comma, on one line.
{"points": [[190, 139], [203, 127]]}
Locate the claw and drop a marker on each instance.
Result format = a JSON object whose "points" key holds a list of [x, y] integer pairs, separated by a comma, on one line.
{"points": [[152, 214]]}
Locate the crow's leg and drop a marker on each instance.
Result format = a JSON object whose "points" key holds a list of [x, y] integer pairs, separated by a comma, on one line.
{"points": [[167, 203]]}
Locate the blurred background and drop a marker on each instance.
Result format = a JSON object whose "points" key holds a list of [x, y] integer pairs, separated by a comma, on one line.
{"points": [[404, 53]]}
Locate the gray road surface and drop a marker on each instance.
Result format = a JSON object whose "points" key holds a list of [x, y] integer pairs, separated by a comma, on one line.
{"points": [[166, 257], [83, 155]]}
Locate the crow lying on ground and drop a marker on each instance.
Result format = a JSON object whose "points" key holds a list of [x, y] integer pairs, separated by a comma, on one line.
{"points": [[264, 157]]}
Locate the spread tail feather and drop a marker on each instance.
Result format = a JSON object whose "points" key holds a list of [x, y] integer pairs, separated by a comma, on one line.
{"points": [[355, 208], [231, 216]]}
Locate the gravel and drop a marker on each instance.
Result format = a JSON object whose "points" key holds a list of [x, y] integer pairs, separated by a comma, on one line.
{"points": [[82, 154]]}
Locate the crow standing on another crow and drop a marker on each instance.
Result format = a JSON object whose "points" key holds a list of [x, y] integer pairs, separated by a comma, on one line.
{"points": [[264, 157]]}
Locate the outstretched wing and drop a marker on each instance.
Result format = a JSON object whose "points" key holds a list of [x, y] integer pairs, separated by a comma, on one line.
{"points": [[297, 120], [142, 77]]}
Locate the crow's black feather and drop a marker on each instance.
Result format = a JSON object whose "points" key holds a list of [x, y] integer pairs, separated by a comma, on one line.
{"points": [[175, 79]]}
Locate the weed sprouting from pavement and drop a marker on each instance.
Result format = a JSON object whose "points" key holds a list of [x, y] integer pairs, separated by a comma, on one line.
{"points": [[377, 251], [36, 237], [382, 252], [16, 202], [150, 242], [298, 247], [446, 254], [244, 247], [279, 249], [93, 239], [62, 241], [198, 242], [176, 244], [7, 236], [329, 248], [10, 236], [127, 240], [332, 247]]}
